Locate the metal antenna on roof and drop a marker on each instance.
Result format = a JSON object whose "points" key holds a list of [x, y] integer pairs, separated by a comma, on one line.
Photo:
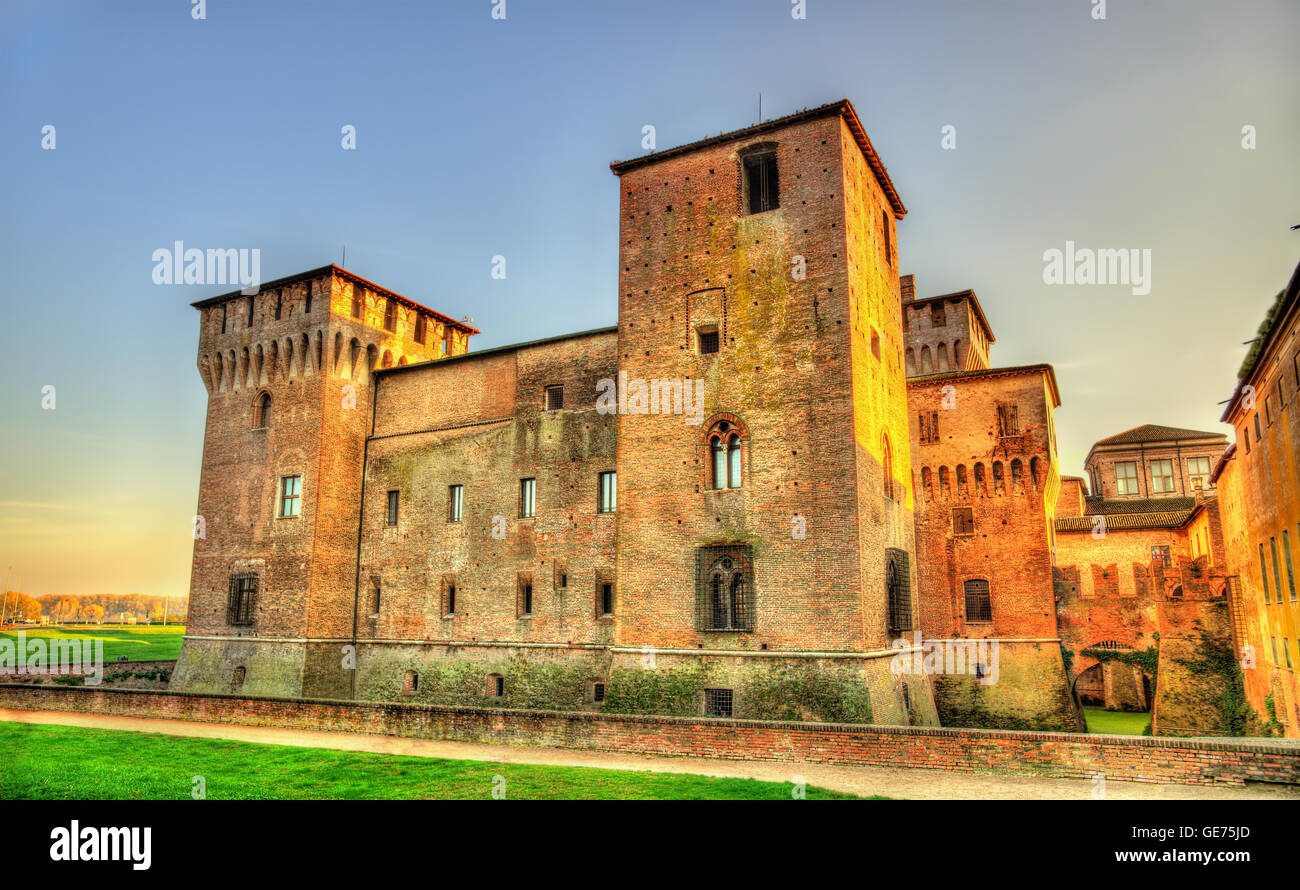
{"points": [[345, 254], [760, 106]]}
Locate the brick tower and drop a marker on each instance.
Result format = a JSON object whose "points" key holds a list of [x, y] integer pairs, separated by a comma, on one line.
{"points": [[274, 577], [773, 527]]}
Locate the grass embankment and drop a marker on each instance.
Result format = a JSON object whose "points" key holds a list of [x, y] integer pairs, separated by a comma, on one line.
{"points": [[72, 763]]}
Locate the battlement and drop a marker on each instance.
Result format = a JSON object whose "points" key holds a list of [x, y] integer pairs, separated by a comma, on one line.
{"points": [[326, 319]]}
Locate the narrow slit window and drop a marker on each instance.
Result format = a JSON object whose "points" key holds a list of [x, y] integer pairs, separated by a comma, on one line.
{"points": [[455, 502], [527, 498], [607, 501], [393, 499]]}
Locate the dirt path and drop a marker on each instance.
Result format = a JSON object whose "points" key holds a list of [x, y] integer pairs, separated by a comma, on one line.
{"points": [[863, 780]]}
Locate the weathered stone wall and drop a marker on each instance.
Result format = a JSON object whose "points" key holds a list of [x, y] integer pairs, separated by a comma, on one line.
{"points": [[1118, 758]]}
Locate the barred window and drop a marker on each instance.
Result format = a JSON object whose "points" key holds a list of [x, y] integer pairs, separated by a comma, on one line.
{"points": [[554, 398], [724, 588], [979, 606], [243, 597], [898, 593], [761, 182], [708, 341], [393, 500], [717, 702]]}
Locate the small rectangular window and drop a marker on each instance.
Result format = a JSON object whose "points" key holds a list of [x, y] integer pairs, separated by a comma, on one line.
{"points": [[605, 606], [1290, 571], [358, 301], [419, 329], [525, 600], [455, 502], [446, 341], [717, 702], [561, 574], [1259, 432], [1162, 476], [393, 498], [390, 316], [290, 496], [306, 298], [1126, 477], [1198, 472], [598, 692], [607, 501], [1263, 574], [708, 341], [554, 398], [928, 423], [1277, 575], [448, 595], [527, 498], [279, 304], [938, 316]]}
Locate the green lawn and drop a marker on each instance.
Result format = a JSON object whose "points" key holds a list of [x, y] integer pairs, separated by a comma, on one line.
{"points": [[70, 763], [137, 642], [1116, 722]]}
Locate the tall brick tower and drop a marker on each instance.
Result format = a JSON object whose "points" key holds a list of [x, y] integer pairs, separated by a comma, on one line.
{"points": [[776, 533], [274, 578]]}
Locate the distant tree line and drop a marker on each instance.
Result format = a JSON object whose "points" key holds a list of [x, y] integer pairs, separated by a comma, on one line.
{"points": [[92, 607]]}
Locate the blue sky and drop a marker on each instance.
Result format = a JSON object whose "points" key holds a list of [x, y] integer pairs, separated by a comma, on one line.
{"points": [[478, 137]]}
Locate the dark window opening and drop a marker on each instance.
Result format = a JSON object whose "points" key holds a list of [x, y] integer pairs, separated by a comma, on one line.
{"points": [[717, 702], [419, 329], [979, 607], [598, 692], [606, 599], [554, 398], [525, 597], [390, 316], [306, 298], [708, 341], [237, 679], [761, 182], [279, 304], [393, 498], [243, 597], [938, 317], [898, 590], [410, 683]]}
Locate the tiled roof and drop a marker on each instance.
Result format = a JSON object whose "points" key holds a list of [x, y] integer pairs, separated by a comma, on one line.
{"points": [[1150, 432], [1113, 506], [1168, 519]]}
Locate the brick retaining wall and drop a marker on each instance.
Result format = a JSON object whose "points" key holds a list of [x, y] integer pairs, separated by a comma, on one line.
{"points": [[1118, 758]]}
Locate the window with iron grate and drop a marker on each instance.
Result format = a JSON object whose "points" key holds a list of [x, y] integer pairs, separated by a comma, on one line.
{"points": [[243, 598], [898, 590], [724, 588], [717, 702], [979, 606]]}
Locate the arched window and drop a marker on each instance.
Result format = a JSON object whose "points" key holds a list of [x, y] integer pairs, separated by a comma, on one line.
{"points": [[962, 492], [981, 486], [1033, 473], [910, 362], [944, 491], [897, 591], [942, 358], [957, 356], [999, 485], [726, 455], [262, 411], [927, 367], [887, 469], [927, 483], [1017, 477]]}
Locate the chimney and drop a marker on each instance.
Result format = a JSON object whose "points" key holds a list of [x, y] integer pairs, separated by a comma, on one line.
{"points": [[907, 287]]}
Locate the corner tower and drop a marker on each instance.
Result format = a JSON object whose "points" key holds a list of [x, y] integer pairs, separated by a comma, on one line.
{"points": [[288, 375], [773, 524]]}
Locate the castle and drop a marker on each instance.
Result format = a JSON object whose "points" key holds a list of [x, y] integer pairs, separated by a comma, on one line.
{"points": [[750, 498]]}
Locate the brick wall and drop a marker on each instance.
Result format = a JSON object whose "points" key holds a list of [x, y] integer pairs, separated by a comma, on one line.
{"points": [[1191, 762]]}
